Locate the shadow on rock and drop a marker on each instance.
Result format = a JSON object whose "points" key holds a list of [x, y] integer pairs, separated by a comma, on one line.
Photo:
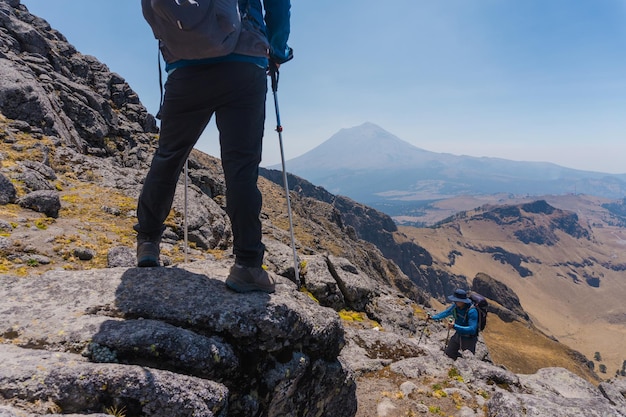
{"points": [[277, 354]]}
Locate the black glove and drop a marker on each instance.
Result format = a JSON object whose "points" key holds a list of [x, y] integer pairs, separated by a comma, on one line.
{"points": [[281, 60]]}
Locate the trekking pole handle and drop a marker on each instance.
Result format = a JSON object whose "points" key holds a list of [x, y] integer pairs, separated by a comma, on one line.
{"points": [[274, 75]]}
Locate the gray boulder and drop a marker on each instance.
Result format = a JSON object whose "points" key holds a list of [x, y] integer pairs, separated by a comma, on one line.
{"points": [[43, 201], [551, 392], [7, 190], [321, 283], [336, 283], [356, 287], [171, 346], [392, 310], [36, 176], [615, 392], [500, 293], [522, 405], [33, 180], [43, 169], [121, 256], [76, 386], [207, 224], [381, 344]]}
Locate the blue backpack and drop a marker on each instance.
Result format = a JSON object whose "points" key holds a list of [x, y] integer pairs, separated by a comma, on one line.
{"points": [[193, 29]]}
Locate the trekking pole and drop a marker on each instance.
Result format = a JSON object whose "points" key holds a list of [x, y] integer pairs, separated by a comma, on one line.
{"points": [[425, 325], [421, 335], [279, 128], [448, 336], [185, 226]]}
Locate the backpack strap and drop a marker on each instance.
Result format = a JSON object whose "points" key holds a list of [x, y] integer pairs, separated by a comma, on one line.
{"points": [[455, 313]]}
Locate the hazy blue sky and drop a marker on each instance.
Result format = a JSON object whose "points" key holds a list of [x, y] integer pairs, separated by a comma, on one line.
{"points": [[534, 80]]}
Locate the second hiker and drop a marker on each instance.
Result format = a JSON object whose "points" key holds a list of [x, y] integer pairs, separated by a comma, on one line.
{"points": [[465, 324]]}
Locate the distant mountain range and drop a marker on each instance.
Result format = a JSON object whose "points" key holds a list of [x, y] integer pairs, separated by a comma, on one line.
{"points": [[372, 166]]}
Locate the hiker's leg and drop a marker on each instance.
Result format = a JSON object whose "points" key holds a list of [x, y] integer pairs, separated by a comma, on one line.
{"points": [[452, 350], [241, 124], [469, 343], [184, 116]]}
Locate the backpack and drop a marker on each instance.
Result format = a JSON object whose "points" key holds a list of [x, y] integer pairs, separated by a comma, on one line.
{"points": [[480, 303], [193, 29]]}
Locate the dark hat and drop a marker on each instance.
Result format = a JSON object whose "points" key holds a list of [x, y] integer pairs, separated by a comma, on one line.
{"points": [[460, 295]]}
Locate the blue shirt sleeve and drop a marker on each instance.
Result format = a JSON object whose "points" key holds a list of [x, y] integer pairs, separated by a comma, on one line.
{"points": [[277, 21], [445, 313]]}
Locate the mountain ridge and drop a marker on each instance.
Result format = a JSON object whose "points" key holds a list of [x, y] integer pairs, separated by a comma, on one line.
{"points": [[370, 165]]}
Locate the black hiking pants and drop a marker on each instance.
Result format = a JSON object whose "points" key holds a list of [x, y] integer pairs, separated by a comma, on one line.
{"points": [[235, 92], [458, 343]]}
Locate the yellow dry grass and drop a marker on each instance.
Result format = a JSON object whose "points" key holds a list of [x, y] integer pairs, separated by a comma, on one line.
{"points": [[524, 350]]}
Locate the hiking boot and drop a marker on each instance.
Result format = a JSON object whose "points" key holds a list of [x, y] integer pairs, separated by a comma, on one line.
{"points": [[247, 279], [147, 253]]}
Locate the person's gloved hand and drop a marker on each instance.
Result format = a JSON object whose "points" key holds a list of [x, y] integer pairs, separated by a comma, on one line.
{"points": [[282, 56]]}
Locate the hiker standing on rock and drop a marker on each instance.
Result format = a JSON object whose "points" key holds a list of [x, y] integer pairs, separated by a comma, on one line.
{"points": [[233, 87], [465, 323]]}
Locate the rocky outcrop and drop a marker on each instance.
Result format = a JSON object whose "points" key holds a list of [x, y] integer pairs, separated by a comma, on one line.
{"points": [[170, 339], [552, 392], [64, 381], [7, 190], [175, 341], [472, 385], [537, 222], [59, 92], [617, 211], [515, 260], [501, 294]]}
